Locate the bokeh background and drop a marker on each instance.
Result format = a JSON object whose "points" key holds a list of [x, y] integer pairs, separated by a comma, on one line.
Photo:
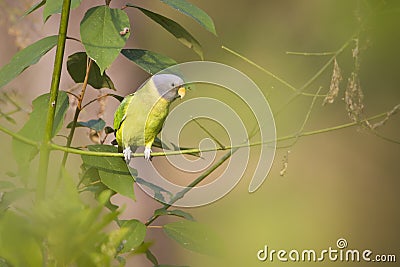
{"points": [[339, 184]]}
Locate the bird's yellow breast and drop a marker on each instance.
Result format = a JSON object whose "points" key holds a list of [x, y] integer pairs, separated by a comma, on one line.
{"points": [[144, 120], [156, 120]]}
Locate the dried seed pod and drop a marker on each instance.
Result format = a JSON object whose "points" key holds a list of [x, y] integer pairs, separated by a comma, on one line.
{"points": [[334, 86]]}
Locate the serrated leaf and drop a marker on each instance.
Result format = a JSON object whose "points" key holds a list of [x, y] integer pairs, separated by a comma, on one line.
{"points": [[135, 235], [150, 62], [54, 7], [194, 12], [100, 32], [179, 213], [113, 172], [76, 66], [25, 58], [96, 125], [34, 128], [174, 28], [193, 236]]}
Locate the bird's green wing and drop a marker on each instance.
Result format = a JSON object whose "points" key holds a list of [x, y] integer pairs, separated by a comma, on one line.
{"points": [[120, 113]]}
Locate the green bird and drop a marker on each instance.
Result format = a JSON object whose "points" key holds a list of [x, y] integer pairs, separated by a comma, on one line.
{"points": [[140, 116]]}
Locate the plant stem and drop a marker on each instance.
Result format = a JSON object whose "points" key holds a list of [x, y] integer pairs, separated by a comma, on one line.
{"points": [[198, 180], [189, 151], [20, 137], [77, 112], [279, 79], [55, 83]]}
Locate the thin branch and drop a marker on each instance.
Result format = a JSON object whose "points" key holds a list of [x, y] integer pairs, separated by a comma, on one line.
{"points": [[315, 76], [208, 132], [375, 132], [77, 112], [198, 180], [19, 137], [94, 100], [188, 151], [388, 115], [15, 104], [74, 95], [305, 119], [310, 54], [85, 82], [282, 81]]}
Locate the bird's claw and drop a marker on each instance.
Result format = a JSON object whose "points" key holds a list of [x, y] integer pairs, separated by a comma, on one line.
{"points": [[127, 154], [147, 153]]}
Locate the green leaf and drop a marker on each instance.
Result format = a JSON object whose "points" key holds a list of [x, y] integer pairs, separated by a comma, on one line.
{"points": [[113, 171], [158, 191], [34, 7], [108, 130], [100, 32], [7, 198], [91, 179], [175, 29], [194, 12], [121, 260], [149, 61], [135, 235], [14, 231], [150, 256], [25, 58], [76, 66], [193, 236], [145, 246], [118, 97], [55, 6], [34, 128], [179, 213], [96, 125]]}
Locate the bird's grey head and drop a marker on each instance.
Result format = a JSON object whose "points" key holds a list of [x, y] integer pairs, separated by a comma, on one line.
{"points": [[169, 86]]}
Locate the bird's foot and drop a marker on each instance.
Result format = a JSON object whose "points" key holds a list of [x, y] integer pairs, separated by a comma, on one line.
{"points": [[147, 153], [127, 154]]}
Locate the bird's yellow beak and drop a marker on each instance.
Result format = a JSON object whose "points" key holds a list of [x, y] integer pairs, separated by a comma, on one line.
{"points": [[182, 92]]}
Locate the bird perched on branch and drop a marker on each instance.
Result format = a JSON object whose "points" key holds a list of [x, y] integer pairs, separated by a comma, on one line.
{"points": [[140, 116]]}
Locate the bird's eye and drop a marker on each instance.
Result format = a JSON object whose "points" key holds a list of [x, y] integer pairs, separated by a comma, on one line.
{"points": [[172, 84]]}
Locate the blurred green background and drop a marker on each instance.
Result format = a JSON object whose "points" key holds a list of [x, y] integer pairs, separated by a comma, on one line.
{"points": [[340, 184]]}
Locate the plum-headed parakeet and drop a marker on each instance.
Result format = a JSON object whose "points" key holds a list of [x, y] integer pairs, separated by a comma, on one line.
{"points": [[140, 116]]}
